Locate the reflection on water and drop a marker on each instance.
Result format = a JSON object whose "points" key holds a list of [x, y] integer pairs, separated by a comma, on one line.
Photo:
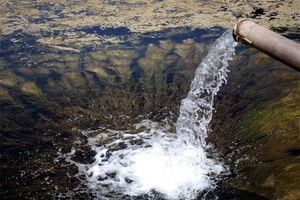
{"points": [[48, 93], [33, 75]]}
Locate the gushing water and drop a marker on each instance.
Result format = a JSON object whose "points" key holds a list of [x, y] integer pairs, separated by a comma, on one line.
{"points": [[174, 165], [196, 109]]}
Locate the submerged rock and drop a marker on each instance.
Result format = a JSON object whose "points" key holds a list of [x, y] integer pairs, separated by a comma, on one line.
{"points": [[73, 80], [152, 62], [97, 69], [185, 49], [8, 78], [30, 88], [71, 61], [42, 71], [121, 61], [166, 44], [96, 65], [27, 71], [4, 95]]}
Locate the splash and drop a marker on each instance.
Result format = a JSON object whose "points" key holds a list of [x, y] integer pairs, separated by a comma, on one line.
{"points": [[196, 109], [155, 160]]}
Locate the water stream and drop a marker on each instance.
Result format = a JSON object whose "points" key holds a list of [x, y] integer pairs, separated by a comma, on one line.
{"points": [[154, 160], [196, 109]]}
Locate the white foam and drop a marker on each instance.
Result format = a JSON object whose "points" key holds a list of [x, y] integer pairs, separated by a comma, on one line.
{"points": [[162, 164]]}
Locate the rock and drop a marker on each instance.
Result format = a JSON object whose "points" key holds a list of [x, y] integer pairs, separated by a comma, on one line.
{"points": [[124, 71], [28, 71], [170, 60], [152, 63], [44, 58], [185, 49], [8, 78], [128, 180], [30, 88], [166, 44], [257, 12], [3, 92], [260, 59], [42, 71], [99, 55], [4, 95], [110, 64], [238, 14], [71, 61], [97, 69], [200, 48], [121, 61], [155, 53], [72, 80], [120, 54], [148, 65], [84, 157]]}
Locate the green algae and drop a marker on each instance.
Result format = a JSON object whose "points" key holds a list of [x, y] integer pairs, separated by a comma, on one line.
{"points": [[275, 116], [277, 179], [275, 129]]}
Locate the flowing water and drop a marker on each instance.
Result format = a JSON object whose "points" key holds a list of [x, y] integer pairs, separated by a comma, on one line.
{"points": [[151, 159]]}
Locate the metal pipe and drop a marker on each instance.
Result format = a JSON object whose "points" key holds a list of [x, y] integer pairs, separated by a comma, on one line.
{"points": [[269, 42]]}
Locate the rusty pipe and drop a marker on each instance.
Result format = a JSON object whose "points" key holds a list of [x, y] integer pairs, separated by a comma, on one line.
{"points": [[269, 42]]}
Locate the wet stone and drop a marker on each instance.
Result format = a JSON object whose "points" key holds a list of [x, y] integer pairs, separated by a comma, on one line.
{"points": [[106, 186], [102, 178], [97, 69], [128, 180], [31, 88], [119, 146], [257, 12], [107, 155], [184, 49], [26, 71], [166, 44], [111, 174], [84, 157], [137, 142], [9, 78], [4, 95], [73, 80]]}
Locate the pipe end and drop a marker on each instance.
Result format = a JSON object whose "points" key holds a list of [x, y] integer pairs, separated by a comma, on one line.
{"points": [[236, 33]]}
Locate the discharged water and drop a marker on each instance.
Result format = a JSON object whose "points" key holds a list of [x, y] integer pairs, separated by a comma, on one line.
{"points": [[154, 160]]}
